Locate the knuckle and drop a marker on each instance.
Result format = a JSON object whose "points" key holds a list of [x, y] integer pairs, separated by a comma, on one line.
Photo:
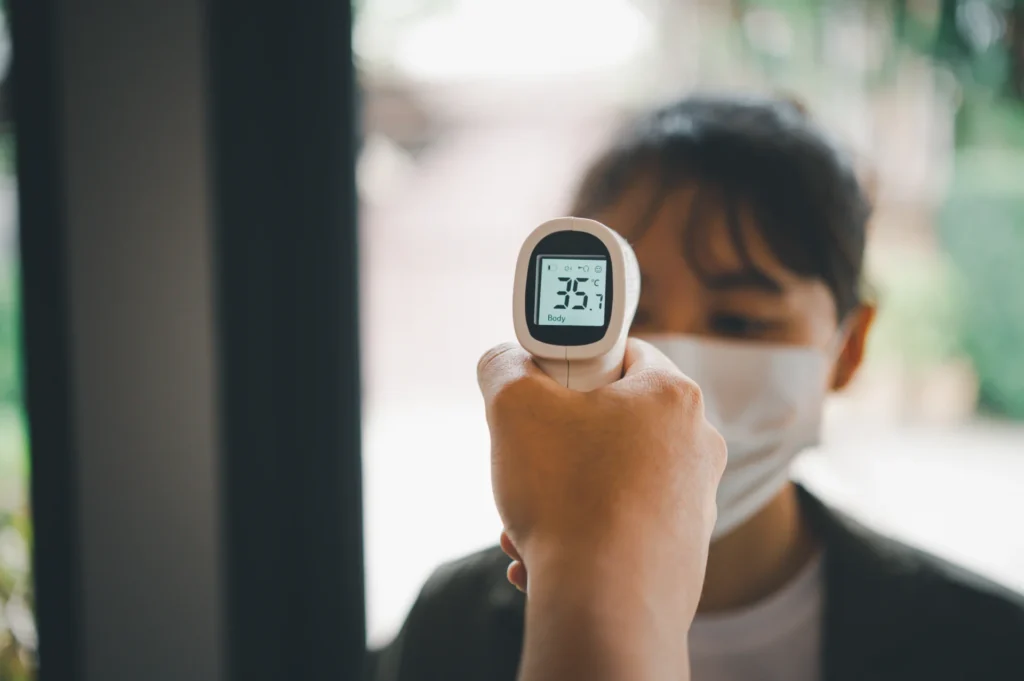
{"points": [[681, 391], [493, 358], [719, 450]]}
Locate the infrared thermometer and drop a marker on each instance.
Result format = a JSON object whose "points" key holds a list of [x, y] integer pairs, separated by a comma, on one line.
{"points": [[576, 290]]}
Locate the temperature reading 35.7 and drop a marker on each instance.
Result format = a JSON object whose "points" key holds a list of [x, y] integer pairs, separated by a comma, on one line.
{"points": [[571, 290]]}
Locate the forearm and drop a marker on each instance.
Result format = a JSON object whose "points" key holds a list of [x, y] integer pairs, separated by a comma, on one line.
{"points": [[604, 621]]}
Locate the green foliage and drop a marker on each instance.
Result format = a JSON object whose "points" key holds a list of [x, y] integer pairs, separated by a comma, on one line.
{"points": [[10, 334], [921, 313], [7, 154], [982, 223], [986, 120], [982, 227], [17, 629], [973, 39], [18, 640]]}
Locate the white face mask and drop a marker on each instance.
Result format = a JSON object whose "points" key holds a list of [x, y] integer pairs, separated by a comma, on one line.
{"points": [[765, 400]]}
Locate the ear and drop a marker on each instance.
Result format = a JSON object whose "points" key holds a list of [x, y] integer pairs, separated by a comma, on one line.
{"points": [[852, 355]]}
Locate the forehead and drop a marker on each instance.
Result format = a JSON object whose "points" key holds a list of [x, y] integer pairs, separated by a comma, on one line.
{"points": [[697, 251], [698, 228]]}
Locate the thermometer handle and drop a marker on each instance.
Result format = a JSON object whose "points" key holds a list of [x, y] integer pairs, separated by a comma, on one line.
{"points": [[585, 375]]}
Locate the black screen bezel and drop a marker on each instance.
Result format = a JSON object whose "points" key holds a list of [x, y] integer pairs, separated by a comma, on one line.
{"points": [[561, 245]]}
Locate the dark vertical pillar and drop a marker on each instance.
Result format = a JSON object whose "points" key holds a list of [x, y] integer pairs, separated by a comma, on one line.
{"points": [[282, 115]]}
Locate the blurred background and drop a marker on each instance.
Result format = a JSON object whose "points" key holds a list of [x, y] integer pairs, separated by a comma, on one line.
{"points": [[17, 628], [478, 117]]}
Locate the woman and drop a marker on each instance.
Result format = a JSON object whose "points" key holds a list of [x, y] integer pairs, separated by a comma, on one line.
{"points": [[749, 227]]}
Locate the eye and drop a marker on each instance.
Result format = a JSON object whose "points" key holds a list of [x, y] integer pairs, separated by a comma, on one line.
{"points": [[742, 326]]}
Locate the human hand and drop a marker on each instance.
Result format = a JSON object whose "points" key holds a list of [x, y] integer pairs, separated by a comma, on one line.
{"points": [[619, 479]]}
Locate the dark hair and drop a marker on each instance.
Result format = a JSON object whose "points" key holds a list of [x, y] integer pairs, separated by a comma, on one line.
{"points": [[764, 155]]}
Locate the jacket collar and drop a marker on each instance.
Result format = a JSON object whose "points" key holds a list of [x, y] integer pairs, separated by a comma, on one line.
{"points": [[870, 596]]}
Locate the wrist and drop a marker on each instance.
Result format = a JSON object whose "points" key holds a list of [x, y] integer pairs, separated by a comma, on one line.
{"points": [[637, 572], [622, 619], [655, 560]]}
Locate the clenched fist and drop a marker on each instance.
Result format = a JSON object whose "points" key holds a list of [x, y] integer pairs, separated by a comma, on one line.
{"points": [[618, 483]]}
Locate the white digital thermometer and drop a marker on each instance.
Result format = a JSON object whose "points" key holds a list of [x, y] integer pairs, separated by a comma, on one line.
{"points": [[576, 291]]}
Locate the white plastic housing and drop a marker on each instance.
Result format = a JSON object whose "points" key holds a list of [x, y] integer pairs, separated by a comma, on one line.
{"points": [[583, 367]]}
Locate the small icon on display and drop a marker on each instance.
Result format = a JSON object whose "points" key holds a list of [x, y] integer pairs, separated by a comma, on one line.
{"points": [[598, 269], [568, 268], [549, 268], [597, 282], [585, 268]]}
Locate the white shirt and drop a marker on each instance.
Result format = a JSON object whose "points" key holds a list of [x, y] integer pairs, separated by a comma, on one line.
{"points": [[776, 639]]}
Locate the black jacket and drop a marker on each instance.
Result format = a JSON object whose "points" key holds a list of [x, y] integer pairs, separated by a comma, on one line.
{"points": [[891, 612]]}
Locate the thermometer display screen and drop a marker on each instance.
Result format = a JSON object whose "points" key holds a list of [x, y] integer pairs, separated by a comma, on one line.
{"points": [[571, 290]]}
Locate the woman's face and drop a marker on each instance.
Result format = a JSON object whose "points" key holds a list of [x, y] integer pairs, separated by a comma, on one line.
{"points": [[725, 302]]}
